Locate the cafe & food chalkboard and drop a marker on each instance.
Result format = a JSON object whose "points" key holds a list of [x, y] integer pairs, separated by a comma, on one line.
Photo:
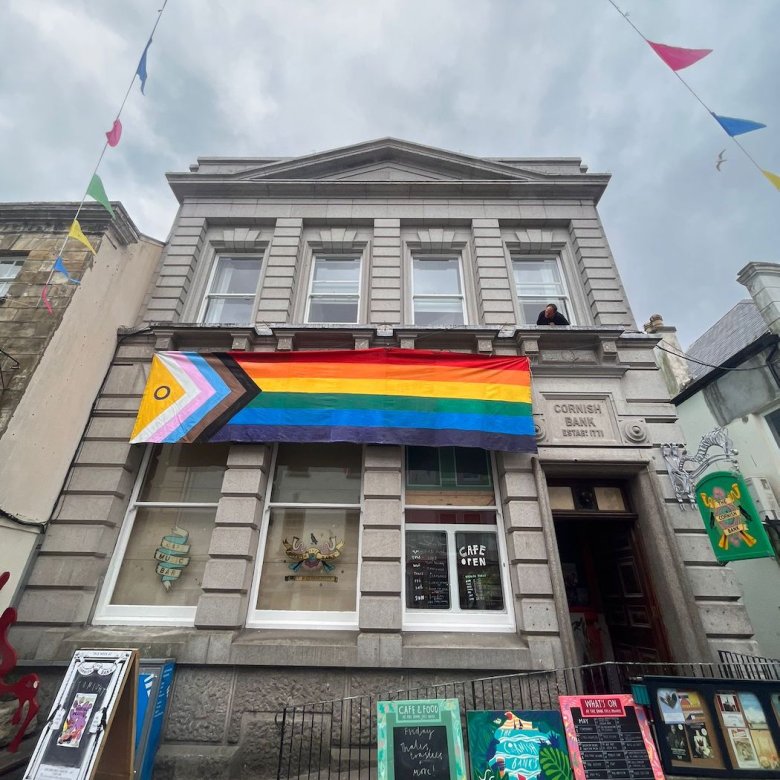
{"points": [[420, 738]]}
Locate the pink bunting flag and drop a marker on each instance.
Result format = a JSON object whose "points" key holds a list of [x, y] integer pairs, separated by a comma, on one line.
{"points": [[677, 58], [115, 133], [45, 299]]}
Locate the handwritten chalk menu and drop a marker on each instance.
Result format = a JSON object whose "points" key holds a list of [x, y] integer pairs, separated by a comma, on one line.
{"points": [[89, 733], [420, 738], [479, 571], [427, 575], [609, 739]]}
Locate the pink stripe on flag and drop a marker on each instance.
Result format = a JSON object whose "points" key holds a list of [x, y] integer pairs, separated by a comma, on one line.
{"points": [[205, 392]]}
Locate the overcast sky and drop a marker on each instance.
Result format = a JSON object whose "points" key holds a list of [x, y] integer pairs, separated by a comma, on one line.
{"points": [[483, 77]]}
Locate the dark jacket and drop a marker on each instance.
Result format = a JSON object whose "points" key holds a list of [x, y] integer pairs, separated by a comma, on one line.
{"points": [[558, 319]]}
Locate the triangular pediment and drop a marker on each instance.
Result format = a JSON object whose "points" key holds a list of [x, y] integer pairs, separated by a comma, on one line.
{"points": [[387, 160]]}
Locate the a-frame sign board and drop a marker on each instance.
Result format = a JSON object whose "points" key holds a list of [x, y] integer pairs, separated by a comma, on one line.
{"points": [[90, 731]]}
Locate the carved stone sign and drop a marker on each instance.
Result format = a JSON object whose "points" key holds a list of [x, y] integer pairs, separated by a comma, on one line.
{"points": [[580, 420]]}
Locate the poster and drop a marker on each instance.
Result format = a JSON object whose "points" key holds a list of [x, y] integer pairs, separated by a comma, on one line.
{"points": [[749, 741], [98, 685], [420, 738], [716, 728], [609, 737], [732, 521], [686, 727], [517, 743]]}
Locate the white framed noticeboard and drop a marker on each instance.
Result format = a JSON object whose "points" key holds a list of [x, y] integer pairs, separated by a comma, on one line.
{"points": [[93, 715]]}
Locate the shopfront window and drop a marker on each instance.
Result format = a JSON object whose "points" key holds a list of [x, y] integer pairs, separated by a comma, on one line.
{"points": [[454, 559], [161, 555], [308, 574]]}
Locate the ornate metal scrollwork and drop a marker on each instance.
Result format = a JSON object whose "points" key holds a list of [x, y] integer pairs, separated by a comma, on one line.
{"points": [[684, 470]]}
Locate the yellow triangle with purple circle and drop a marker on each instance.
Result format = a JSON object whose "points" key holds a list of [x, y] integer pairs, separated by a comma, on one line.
{"points": [[162, 391]]}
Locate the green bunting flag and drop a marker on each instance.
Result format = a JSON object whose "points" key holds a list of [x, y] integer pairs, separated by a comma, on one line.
{"points": [[97, 191]]}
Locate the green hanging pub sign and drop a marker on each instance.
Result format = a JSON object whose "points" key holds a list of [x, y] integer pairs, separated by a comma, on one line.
{"points": [[732, 521]]}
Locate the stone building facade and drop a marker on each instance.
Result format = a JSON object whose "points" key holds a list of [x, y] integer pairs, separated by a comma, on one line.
{"points": [[52, 363], [394, 244]]}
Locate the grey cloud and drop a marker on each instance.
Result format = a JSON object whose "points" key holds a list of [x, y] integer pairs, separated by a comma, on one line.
{"points": [[493, 77]]}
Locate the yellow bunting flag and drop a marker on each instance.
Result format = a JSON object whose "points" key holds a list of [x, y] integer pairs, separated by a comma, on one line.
{"points": [[76, 232], [773, 177]]}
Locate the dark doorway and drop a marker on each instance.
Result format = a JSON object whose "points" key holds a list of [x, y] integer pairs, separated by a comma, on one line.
{"points": [[613, 609]]}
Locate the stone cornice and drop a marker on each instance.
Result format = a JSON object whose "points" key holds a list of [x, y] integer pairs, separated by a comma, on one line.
{"points": [[589, 188], [57, 216]]}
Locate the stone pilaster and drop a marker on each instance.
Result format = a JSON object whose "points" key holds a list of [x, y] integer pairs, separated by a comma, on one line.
{"points": [[530, 559], [495, 289], [282, 272], [379, 642], [233, 549], [384, 304]]}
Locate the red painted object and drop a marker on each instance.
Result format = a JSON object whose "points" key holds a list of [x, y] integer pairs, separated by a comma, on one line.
{"points": [[25, 689]]}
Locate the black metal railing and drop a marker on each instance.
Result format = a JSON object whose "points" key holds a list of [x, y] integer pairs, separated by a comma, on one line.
{"points": [[337, 739], [741, 666]]}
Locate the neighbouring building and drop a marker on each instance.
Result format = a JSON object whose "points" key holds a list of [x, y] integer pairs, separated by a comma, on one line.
{"points": [[583, 551], [733, 381], [52, 363]]}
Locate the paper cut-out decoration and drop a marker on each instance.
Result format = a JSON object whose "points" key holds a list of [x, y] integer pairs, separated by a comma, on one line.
{"points": [[734, 126], [676, 57], [77, 233], [172, 556], [97, 191], [115, 133], [59, 267]]}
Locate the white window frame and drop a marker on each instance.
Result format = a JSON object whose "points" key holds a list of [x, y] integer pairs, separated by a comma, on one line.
{"points": [[208, 295], [461, 279], [358, 256], [7, 281], [141, 614], [565, 295], [454, 618], [313, 619]]}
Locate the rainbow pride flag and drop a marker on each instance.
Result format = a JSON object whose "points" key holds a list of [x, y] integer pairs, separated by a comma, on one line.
{"points": [[378, 396]]}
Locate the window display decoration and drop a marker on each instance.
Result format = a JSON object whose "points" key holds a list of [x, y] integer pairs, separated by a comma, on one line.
{"points": [[172, 556], [377, 396], [313, 557]]}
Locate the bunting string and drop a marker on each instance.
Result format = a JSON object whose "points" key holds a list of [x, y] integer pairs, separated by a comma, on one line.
{"points": [[677, 59], [95, 188]]}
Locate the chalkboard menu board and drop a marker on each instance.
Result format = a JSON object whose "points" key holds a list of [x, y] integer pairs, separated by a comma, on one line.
{"points": [[421, 751], [609, 739], [479, 571], [420, 738], [427, 575]]}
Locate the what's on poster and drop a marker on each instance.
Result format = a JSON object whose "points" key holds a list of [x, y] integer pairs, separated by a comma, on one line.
{"points": [[517, 743]]}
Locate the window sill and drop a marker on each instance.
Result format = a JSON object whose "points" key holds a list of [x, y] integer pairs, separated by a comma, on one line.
{"points": [[300, 648]]}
